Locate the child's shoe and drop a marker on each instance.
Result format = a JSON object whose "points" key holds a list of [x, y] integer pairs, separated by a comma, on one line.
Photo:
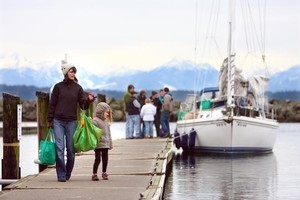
{"points": [[105, 176], [95, 177]]}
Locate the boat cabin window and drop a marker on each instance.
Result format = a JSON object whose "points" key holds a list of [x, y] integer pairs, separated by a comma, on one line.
{"points": [[209, 95], [188, 104]]}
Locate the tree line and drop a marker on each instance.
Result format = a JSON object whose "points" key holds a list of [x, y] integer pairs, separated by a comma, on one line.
{"points": [[29, 93]]}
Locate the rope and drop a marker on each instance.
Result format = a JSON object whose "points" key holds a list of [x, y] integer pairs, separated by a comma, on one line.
{"points": [[14, 144], [254, 34]]}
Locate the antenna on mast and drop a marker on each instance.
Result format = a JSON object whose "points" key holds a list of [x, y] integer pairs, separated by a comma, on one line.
{"points": [[65, 60]]}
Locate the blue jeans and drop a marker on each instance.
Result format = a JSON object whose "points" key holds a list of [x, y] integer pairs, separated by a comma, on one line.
{"points": [[63, 133], [165, 122], [148, 128], [127, 125], [134, 125]]}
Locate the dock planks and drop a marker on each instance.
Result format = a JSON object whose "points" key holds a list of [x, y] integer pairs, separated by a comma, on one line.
{"points": [[136, 168]]}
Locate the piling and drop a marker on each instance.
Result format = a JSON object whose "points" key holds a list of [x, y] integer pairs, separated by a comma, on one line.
{"points": [[101, 98], [42, 121], [11, 144]]}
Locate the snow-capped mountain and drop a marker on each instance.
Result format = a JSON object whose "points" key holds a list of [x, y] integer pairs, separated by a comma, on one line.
{"points": [[183, 75], [179, 76]]}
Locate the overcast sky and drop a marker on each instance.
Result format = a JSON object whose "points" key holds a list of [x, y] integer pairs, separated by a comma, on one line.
{"points": [[105, 36]]}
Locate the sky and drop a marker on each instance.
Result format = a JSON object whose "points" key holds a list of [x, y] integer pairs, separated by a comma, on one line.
{"points": [[113, 36]]}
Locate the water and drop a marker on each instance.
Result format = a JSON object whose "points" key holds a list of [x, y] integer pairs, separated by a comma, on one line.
{"points": [[28, 152], [270, 176]]}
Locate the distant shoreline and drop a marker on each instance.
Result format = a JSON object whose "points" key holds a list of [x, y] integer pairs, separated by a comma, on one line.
{"points": [[286, 111]]}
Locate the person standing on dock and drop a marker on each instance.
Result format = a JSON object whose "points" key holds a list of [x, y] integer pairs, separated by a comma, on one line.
{"points": [[148, 112], [157, 103], [126, 97], [133, 108], [102, 119], [167, 109], [141, 98], [62, 116]]}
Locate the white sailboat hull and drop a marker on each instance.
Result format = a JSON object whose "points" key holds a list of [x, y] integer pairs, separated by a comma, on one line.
{"points": [[241, 134]]}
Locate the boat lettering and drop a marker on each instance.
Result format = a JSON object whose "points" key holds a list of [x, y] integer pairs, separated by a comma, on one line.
{"points": [[221, 124], [242, 125]]}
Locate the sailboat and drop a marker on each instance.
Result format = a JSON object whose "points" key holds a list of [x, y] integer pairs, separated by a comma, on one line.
{"points": [[233, 117]]}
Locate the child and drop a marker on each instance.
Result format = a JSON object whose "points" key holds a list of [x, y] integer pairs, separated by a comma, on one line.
{"points": [[147, 114], [102, 119]]}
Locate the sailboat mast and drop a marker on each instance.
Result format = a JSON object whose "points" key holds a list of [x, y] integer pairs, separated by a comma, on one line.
{"points": [[230, 64], [229, 86], [65, 60]]}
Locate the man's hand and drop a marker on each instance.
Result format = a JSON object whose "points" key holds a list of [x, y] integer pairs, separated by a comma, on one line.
{"points": [[50, 124]]}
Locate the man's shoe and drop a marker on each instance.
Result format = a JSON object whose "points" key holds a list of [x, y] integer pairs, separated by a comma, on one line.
{"points": [[61, 180], [68, 177]]}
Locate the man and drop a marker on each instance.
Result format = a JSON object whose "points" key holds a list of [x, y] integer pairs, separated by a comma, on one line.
{"points": [[126, 97], [167, 109], [157, 103], [133, 108]]}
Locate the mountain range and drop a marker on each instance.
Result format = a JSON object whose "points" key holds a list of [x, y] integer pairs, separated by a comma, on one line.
{"points": [[182, 75]]}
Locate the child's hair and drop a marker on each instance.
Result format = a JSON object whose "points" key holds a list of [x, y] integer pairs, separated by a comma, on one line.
{"points": [[109, 117]]}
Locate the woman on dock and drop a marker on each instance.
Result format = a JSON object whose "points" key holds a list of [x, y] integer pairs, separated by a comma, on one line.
{"points": [[102, 119], [62, 116]]}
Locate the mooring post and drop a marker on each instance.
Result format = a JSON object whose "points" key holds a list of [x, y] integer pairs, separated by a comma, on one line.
{"points": [[11, 145], [42, 121], [101, 98]]}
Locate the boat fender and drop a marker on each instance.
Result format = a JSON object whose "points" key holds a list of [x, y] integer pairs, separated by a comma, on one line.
{"points": [[192, 138], [184, 141], [177, 139]]}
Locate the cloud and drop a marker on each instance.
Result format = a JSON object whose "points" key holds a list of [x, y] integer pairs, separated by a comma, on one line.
{"points": [[92, 85], [136, 36]]}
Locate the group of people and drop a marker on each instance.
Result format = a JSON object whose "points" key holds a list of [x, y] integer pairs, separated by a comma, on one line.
{"points": [[62, 117], [142, 112]]}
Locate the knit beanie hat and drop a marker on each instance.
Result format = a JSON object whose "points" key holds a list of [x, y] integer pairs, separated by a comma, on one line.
{"points": [[66, 67]]}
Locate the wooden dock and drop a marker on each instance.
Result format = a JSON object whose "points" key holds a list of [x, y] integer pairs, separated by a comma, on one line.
{"points": [[137, 170]]}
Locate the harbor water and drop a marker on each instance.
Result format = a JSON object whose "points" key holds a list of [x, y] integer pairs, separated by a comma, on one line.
{"points": [[269, 176], [207, 176]]}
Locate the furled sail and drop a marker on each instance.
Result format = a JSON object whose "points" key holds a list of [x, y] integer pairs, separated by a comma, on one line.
{"points": [[251, 88], [240, 83]]}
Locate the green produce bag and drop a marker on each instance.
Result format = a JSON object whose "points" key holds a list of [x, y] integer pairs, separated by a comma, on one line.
{"points": [[47, 152], [87, 134]]}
